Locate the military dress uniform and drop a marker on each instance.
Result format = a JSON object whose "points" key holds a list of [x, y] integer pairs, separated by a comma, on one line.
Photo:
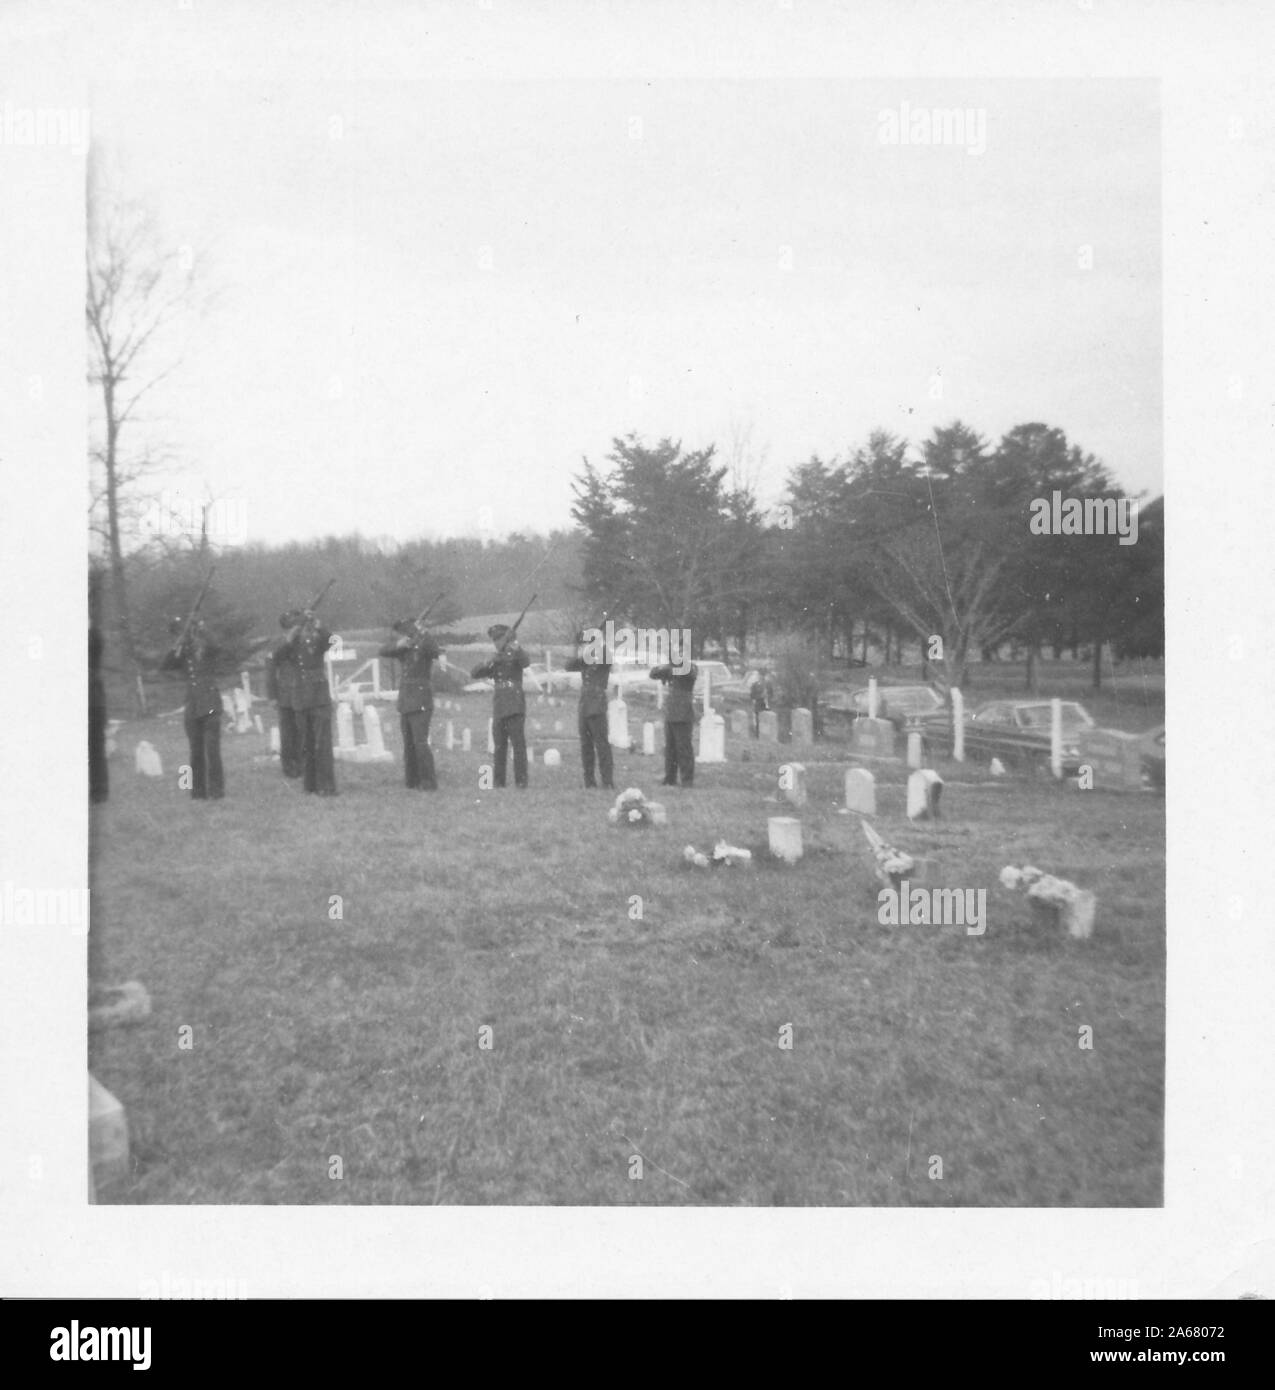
{"points": [[508, 706], [595, 743], [283, 678], [679, 724], [313, 707], [417, 651], [197, 657]]}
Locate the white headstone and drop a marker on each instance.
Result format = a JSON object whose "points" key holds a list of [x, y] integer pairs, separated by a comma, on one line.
{"points": [[803, 726], [466, 740], [739, 723], [998, 768], [861, 791], [618, 723], [552, 757], [356, 699], [958, 726], [785, 838], [276, 746], [924, 788], [491, 737], [148, 761], [344, 725], [557, 726], [450, 739], [712, 738], [792, 782], [914, 748], [1055, 737], [873, 699], [768, 726], [372, 732], [648, 739]]}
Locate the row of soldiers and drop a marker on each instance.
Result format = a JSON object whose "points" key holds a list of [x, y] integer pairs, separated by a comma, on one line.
{"points": [[297, 681]]}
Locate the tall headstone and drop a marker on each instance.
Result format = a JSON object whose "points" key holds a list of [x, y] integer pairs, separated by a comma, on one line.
{"points": [[276, 746], [784, 835], [491, 737], [712, 738], [257, 724], [914, 748], [792, 782], [648, 739], [618, 723], [344, 726], [243, 722], [803, 726], [373, 734], [466, 740], [739, 723], [874, 700], [1055, 737], [861, 791], [924, 789], [768, 726], [958, 726], [449, 740]]}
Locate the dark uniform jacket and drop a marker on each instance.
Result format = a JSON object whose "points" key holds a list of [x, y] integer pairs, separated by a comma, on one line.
{"points": [[417, 654], [505, 671], [595, 676], [283, 677], [197, 660], [679, 708], [307, 652]]}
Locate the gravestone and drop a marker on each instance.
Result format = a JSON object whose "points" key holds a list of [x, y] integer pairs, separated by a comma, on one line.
{"points": [[260, 727], [552, 757], [147, 760], [375, 737], [1115, 757], [618, 723], [739, 723], [784, 834], [449, 737], [466, 740], [914, 748], [925, 787], [276, 747], [491, 737], [803, 726], [108, 1139], [557, 726], [648, 739], [861, 791], [344, 726], [874, 737], [792, 782], [874, 699], [768, 726], [712, 738], [958, 726], [243, 721], [997, 768]]}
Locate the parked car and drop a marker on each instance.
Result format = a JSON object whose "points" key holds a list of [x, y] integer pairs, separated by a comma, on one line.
{"points": [[1018, 733], [903, 705], [1153, 758]]}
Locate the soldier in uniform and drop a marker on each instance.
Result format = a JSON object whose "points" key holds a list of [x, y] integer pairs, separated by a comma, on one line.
{"points": [[283, 677], [679, 724], [418, 651], [306, 645], [196, 655], [595, 676], [509, 703]]}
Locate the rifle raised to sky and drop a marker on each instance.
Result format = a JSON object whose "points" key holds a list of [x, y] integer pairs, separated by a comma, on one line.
{"points": [[194, 612], [309, 611], [419, 620], [513, 631]]}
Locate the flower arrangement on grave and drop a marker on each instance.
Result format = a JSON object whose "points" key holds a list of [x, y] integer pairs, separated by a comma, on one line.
{"points": [[633, 809], [1055, 902], [724, 856], [893, 865]]}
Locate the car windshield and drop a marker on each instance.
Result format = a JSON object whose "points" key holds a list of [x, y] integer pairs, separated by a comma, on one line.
{"points": [[1038, 716]]}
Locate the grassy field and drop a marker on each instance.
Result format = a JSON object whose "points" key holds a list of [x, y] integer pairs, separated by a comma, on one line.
{"points": [[359, 1038]]}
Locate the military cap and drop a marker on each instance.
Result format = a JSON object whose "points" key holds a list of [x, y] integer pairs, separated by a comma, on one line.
{"points": [[497, 631], [291, 618]]}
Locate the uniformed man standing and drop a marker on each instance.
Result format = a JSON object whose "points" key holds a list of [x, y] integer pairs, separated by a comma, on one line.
{"points": [[196, 655], [679, 724], [283, 677], [509, 703], [595, 676], [418, 651], [307, 644]]}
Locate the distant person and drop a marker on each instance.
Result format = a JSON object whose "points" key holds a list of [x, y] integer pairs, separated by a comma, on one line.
{"points": [[99, 778], [307, 644], [509, 703], [595, 741], [418, 651], [196, 654], [283, 679], [679, 724], [757, 692]]}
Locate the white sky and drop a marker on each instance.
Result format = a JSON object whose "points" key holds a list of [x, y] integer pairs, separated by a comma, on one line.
{"points": [[498, 277]]}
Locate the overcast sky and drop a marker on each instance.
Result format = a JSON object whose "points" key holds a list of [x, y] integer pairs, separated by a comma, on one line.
{"points": [[436, 297]]}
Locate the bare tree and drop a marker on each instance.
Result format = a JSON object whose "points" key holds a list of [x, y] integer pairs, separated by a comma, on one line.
{"points": [[136, 291]]}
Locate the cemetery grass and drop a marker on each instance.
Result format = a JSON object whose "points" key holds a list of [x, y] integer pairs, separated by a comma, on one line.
{"points": [[315, 1037]]}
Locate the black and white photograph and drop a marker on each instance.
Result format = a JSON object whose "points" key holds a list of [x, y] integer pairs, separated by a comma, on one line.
{"points": [[628, 645]]}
